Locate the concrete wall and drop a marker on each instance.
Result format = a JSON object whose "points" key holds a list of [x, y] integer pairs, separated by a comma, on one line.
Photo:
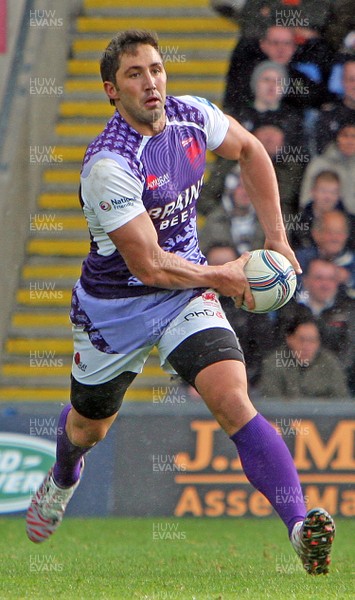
{"points": [[28, 120]]}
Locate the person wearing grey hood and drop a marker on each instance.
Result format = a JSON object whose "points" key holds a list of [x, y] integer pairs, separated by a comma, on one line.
{"points": [[268, 84]]}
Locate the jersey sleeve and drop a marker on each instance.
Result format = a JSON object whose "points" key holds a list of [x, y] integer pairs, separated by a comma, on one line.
{"points": [[113, 193], [216, 122]]}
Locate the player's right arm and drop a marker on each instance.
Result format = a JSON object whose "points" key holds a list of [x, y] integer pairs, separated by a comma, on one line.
{"points": [[137, 242]]}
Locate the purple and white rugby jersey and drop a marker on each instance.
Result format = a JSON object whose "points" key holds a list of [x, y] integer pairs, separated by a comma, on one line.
{"points": [[125, 173]]}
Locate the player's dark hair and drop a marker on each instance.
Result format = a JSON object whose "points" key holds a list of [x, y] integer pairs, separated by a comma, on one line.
{"points": [[125, 42]]}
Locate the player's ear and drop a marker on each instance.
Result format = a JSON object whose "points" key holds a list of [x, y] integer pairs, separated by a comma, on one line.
{"points": [[111, 90]]}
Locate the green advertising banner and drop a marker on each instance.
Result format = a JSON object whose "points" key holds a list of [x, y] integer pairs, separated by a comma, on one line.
{"points": [[24, 461]]}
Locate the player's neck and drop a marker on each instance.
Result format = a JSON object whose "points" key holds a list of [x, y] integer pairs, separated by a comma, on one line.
{"points": [[148, 129]]}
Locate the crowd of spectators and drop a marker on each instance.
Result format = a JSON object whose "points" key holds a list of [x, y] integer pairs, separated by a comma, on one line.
{"points": [[291, 82]]}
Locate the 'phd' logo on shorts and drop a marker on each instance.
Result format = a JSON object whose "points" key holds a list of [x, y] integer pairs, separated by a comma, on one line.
{"points": [[207, 312]]}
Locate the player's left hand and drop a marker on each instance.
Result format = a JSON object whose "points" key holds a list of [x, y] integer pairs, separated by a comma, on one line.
{"points": [[284, 248]]}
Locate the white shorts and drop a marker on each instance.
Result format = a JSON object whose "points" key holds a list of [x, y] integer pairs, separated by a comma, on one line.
{"points": [[112, 336]]}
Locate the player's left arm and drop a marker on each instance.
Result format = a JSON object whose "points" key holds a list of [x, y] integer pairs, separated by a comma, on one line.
{"points": [[260, 182]]}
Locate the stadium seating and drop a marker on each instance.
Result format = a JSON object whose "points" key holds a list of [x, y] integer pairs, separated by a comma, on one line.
{"points": [[196, 45]]}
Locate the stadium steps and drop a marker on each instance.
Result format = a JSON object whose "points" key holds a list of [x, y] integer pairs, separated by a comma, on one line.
{"points": [[196, 45]]}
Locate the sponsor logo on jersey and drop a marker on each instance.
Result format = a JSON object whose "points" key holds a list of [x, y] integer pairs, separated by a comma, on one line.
{"points": [[105, 205], [122, 202], [194, 153], [154, 182], [179, 210]]}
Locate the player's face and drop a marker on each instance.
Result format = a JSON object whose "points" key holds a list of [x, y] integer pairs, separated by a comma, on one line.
{"points": [[140, 90]]}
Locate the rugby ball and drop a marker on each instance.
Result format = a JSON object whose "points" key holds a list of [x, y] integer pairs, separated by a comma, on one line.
{"points": [[272, 280]]}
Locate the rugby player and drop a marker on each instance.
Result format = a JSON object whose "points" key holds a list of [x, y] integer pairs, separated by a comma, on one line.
{"points": [[145, 283]]}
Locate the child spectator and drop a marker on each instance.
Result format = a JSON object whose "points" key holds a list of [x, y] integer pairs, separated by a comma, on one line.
{"points": [[325, 196]]}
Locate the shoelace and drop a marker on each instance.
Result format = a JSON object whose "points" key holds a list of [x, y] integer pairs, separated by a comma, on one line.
{"points": [[54, 499]]}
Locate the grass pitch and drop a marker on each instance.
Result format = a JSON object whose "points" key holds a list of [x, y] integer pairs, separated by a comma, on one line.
{"points": [[168, 559]]}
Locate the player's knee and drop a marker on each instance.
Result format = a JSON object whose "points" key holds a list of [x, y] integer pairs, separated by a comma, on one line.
{"points": [[233, 409], [228, 402], [86, 432], [85, 436]]}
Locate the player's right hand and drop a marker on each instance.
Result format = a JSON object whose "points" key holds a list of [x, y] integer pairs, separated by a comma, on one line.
{"points": [[234, 282]]}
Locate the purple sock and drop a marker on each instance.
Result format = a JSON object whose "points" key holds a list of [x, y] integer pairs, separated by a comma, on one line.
{"points": [[269, 467], [66, 470]]}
